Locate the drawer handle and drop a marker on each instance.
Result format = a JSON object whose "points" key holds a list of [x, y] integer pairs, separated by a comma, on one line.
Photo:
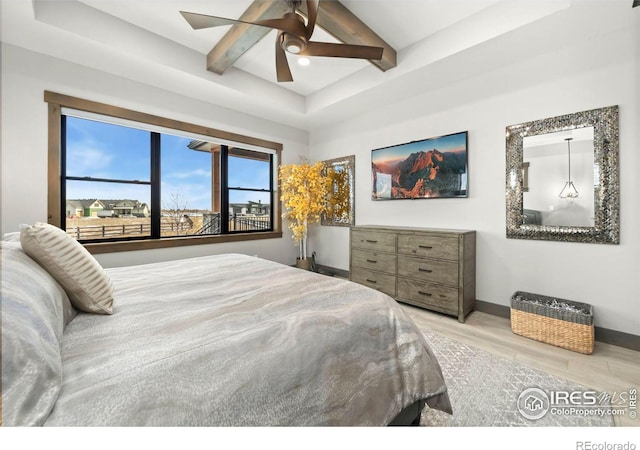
{"points": [[372, 241], [371, 281], [420, 269], [372, 261], [425, 293], [426, 247]]}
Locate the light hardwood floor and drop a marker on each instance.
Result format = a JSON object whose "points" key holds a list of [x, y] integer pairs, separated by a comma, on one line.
{"points": [[610, 368]]}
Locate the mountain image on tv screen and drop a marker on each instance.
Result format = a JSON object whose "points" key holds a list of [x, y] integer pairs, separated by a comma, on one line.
{"points": [[431, 168]]}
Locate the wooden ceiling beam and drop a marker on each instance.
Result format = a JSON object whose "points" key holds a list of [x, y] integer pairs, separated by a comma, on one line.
{"points": [[342, 24], [242, 37], [333, 17]]}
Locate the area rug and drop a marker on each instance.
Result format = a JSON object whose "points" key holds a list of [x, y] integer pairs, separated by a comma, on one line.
{"points": [[487, 390]]}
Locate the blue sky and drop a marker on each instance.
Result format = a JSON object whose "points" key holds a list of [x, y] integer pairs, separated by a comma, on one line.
{"points": [[101, 150], [444, 144]]}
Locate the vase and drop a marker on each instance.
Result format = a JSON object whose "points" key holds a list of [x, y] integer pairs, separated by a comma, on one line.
{"points": [[304, 264]]}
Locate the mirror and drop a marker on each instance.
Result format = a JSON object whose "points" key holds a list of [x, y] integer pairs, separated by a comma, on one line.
{"points": [[559, 186], [562, 178], [341, 197]]}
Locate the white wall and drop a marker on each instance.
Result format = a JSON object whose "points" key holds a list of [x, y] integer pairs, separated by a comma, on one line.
{"points": [[590, 74], [25, 77]]}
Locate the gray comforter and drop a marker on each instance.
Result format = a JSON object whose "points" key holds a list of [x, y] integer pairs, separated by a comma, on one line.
{"points": [[235, 340]]}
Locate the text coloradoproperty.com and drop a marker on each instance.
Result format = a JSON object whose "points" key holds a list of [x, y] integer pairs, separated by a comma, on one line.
{"points": [[577, 411]]}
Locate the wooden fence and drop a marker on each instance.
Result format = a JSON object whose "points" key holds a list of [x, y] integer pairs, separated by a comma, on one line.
{"points": [[119, 230]]}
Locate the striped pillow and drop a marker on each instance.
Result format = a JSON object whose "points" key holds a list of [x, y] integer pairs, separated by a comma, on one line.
{"points": [[87, 284]]}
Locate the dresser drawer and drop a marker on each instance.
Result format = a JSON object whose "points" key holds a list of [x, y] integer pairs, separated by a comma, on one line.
{"points": [[374, 240], [381, 281], [426, 267], [369, 259], [440, 298], [428, 270], [428, 246]]}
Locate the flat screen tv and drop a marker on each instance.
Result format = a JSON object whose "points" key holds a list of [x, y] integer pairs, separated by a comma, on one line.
{"points": [[430, 168]]}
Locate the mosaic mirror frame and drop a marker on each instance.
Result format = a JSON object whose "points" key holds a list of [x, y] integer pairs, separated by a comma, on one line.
{"points": [[606, 229], [343, 185]]}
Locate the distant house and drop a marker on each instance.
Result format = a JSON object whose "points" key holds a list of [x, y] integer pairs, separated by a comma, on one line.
{"points": [[84, 208], [106, 208], [255, 208], [141, 210], [124, 208]]}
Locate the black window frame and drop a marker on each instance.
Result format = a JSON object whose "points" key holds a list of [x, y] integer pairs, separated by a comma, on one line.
{"points": [[226, 189], [57, 173]]}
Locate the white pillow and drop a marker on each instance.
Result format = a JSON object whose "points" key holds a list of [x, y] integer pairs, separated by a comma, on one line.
{"points": [[87, 284], [32, 327]]}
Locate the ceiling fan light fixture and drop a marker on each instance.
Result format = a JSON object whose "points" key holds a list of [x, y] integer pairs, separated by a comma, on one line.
{"points": [[292, 44]]}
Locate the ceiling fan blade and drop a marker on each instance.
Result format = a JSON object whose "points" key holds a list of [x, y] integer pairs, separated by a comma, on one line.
{"points": [[283, 72], [288, 23], [312, 15], [342, 50], [199, 21]]}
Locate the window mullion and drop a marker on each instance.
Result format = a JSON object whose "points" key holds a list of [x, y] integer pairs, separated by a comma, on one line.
{"points": [[63, 172], [109, 180], [156, 201], [272, 196], [224, 182]]}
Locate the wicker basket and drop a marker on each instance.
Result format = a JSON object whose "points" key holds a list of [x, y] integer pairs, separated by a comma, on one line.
{"points": [[555, 321]]}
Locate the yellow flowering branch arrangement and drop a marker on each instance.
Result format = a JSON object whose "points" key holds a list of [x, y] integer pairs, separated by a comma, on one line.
{"points": [[303, 190]]}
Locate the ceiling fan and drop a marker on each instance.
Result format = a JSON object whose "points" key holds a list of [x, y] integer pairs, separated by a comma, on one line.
{"points": [[293, 36]]}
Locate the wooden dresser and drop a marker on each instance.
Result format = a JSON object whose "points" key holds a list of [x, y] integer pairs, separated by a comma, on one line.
{"points": [[430, 268]]}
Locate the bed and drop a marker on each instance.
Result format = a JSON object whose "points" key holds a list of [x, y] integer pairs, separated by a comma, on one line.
{"points": [[223, 340]]}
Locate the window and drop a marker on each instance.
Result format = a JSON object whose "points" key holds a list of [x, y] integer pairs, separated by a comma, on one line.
{"points": [[123, 181], [106, 192], [114, 176], [249, 197]]}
